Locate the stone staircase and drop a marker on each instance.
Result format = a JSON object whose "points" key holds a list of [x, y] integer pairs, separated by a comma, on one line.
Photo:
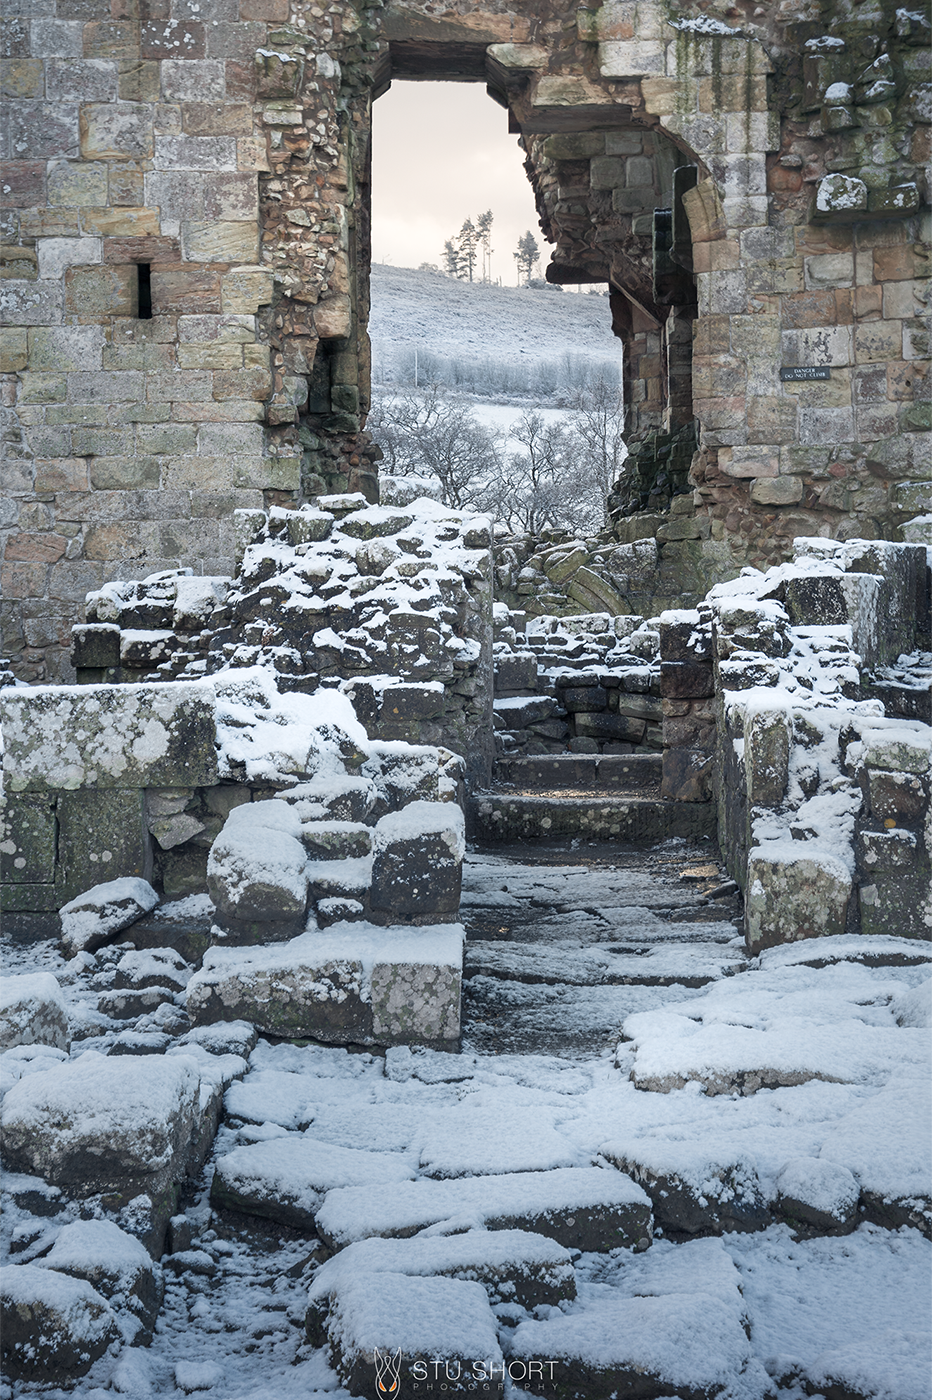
{"points": [[595, 797]]}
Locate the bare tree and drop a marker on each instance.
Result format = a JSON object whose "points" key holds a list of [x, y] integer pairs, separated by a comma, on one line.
{"points": [[597, 425], [436, 433]]}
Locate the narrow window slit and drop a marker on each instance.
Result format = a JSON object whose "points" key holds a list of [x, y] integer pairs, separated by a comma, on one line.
{"points": [[144, 291]]}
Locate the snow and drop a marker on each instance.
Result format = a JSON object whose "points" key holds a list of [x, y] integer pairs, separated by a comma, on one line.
{"points": [[31, 986], [353, 1214], [499, 341], [887, 1140], [684, 1339], [423, 1317], [272, 736], [105, 909], [192, 1376], [488, 1251], [914, 1008], [822, 1185], [300, 1170]]}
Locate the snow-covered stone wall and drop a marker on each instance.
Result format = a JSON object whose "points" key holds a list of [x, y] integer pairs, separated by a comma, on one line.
{"points": [[392, 604], [824, 787]]}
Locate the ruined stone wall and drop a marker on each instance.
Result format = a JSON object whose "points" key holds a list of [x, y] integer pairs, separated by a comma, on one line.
{"points": [[752, 186], [221, 148]]}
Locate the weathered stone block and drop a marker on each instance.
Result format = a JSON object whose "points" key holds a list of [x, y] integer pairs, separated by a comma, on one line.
{"points": [[101, 834], [686, 680], [766, 757], [687, 775], [29, 839], [790, 897], [95, 645], [101, 1125], [257, 872], [622, 728], [33, 1012], [159, 735], [335, 985], [91, 919], [54, 1327], [417, 863]]}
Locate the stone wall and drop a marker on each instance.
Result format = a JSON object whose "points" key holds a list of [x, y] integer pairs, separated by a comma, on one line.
{"points": [[823, 788], [752, 186], [182, 232], [392, 604]]}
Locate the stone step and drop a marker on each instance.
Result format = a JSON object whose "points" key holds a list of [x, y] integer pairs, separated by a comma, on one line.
{"points": [[500, 817], [585, 771], [588, 1208], [621, 964]]}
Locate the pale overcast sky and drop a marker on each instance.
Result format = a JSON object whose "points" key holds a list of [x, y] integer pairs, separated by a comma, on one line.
{"points": [[442, 153]]}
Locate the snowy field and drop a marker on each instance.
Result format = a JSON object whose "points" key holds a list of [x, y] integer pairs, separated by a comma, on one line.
{"points": [[611, 1021], [498, 342]]}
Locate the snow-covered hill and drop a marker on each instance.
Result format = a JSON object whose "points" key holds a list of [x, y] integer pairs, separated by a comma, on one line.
{"points": [[500, 342]]}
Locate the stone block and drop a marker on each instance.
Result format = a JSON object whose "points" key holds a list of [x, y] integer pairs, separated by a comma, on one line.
{"points": [[95, 916], [62, 1125], [687, 775], [116, 131], [54, 1327], [818, 1196], [27, 850], [778, 491], [362, 1328], [686, 680], [33, 1012], [334, 985], [97, 293], [114, 1263], [220, 242], [589, 1208], [14, 351], [417, 863], [286, 1179], [109, 737], [611, 727], [766, 757], [257, 873], [730, 1197], [795, 896]]}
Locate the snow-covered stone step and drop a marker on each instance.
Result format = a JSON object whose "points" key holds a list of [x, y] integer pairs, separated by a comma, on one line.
{"points": [[676, 1330], [652, 965], [353, 983], [588, 1208], [512, 1265], [734, 1043], [287, 1178], [640, 821], [387, 1332], [694, 1192]]}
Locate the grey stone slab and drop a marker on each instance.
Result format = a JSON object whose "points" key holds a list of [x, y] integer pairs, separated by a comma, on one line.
{"points": [[102, 736]]}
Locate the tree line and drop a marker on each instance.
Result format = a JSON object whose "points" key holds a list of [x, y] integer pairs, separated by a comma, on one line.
{"points": [[468, 254]]}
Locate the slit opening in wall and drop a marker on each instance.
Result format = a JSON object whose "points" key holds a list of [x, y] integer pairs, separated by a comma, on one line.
{"points": [[144, 291]]}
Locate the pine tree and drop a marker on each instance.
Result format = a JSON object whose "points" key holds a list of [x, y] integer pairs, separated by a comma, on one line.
{"points": [[484, 229], [468, 245], [526, 256]]}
